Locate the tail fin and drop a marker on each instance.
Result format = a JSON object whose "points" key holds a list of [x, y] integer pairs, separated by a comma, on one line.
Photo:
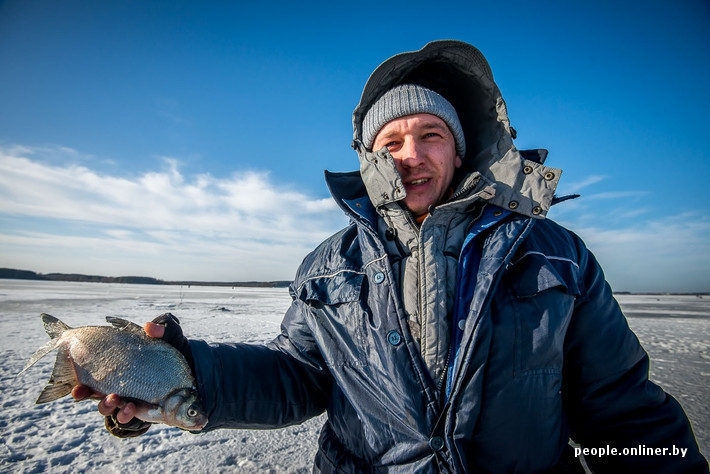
{"points": [[54, 328], [41, 352]]}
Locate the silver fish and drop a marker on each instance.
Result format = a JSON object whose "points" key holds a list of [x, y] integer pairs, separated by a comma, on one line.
{"points": [[122, 359]]}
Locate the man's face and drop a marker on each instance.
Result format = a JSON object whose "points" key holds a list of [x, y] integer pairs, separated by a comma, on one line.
{"points": [[424, 152]]}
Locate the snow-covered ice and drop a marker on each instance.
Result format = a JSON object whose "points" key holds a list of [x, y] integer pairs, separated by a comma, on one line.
{"points": [[66, 436]]}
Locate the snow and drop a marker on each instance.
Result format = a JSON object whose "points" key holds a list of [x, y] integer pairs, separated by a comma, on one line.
{"points": [[68, 436]]}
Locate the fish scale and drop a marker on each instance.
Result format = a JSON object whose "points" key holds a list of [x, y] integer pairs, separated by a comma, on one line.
{"points": [[103, 356], [122, 359]]}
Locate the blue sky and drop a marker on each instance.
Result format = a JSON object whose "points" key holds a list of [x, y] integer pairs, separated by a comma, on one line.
{"points": [[187, 140]]}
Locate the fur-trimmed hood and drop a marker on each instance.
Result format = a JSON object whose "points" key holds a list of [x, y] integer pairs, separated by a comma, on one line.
{"points": [[460, 73]]}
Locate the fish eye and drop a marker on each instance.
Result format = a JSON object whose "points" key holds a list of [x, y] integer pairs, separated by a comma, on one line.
{"points": [[192, 411]]}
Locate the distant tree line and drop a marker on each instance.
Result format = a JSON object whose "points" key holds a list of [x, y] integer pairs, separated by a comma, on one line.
{"points": [[11, 273]]}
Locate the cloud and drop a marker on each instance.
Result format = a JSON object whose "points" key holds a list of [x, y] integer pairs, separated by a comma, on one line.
{"points": [[642, 247], [57, 214], [160, 223], [666, 254], [575, 187], [612, 195]]}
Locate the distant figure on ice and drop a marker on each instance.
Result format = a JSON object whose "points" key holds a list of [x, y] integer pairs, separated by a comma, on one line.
{"points": [[450, 327]]}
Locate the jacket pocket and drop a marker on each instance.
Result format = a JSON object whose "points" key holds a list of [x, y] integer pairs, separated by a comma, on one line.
{"points": [[339, 287], [336, 316], [544, 289]]}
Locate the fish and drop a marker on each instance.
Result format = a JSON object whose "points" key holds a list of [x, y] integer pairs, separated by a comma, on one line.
{"points": [[124, 360]]}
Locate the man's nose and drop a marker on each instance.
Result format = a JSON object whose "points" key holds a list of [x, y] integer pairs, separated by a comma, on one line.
{"points": [[410, 154]]}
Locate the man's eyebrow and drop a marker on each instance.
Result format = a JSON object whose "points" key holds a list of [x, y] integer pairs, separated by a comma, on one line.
{"points": [[435, 125], [387, 134], [425, 125]]}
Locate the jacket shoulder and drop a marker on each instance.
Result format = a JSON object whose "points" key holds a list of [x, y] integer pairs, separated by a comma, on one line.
{"points": [[339, 251], [551, 255], [554, 240]]}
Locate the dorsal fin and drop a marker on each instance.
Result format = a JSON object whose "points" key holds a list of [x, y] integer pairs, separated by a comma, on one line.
{"points": [[125, 325]]}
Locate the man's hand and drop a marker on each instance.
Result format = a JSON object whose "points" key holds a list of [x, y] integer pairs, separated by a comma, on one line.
{"points": [[107, 404], [119, 416]]}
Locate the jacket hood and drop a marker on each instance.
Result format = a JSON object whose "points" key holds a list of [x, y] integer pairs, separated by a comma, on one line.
{"points": [[461, 74]]}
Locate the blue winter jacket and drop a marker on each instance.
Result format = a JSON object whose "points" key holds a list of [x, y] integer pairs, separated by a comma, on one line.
{"points": [[545, 355]]}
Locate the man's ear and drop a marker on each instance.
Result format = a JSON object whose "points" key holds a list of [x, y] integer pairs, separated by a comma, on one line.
{"points": [[458, 162]]}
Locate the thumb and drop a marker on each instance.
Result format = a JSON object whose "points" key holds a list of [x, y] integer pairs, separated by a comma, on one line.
{"points": [[154, 330]]}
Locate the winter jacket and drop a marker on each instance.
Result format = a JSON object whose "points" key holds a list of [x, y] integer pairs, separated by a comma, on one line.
{"points": [[539, 351], [545, 354]]}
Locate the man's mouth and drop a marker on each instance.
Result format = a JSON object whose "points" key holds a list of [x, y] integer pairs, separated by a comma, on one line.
{"points": [[416, 182]]}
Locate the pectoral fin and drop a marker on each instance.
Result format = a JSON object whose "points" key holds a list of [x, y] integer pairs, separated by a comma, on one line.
{"points": [[150, 413]]}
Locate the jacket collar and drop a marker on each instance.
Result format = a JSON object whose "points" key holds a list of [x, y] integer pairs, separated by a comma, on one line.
{"points": [[348, 191]]}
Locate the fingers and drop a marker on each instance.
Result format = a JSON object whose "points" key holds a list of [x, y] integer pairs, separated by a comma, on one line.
{"points": [[109, 404], [82, 392], [154, 330], [127, 413]]}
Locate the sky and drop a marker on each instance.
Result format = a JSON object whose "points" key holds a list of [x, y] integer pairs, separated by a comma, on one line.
{"points": [[187, 140]]}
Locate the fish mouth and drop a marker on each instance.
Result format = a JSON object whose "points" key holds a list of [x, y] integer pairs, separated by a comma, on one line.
{"points": [[197, 423], [180, 408]]}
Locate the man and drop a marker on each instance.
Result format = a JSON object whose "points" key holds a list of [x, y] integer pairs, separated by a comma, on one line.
{"points": [[450, 326]]}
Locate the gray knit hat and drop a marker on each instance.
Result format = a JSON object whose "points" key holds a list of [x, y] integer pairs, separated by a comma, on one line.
{"points": [[410, 99]]}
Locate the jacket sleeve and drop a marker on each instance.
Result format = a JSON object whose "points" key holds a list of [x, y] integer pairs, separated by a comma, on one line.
{"points": [[263, 386], [609, 399]]}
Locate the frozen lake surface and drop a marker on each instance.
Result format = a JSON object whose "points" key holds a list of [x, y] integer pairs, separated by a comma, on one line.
{"points": [[65, 436]]}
